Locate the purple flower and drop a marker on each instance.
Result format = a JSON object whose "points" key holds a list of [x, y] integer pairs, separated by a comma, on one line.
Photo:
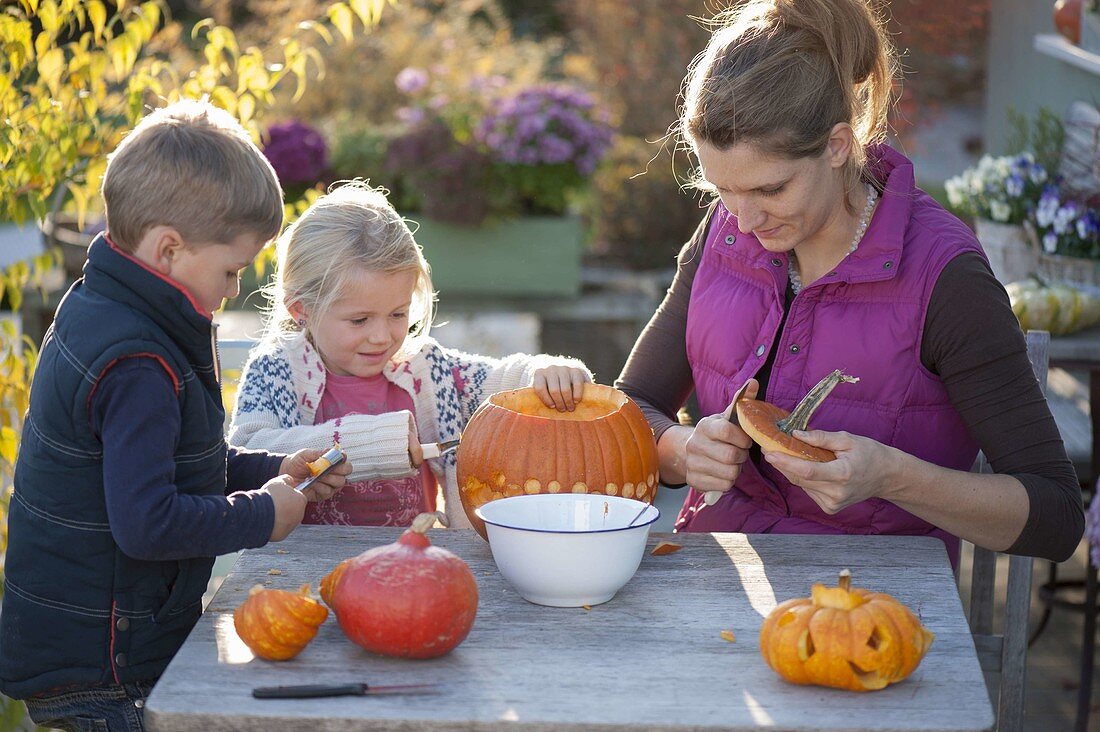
{"points": [[411, 116], [547, 125], [1014, 186], [297, 152], [411, 80]]}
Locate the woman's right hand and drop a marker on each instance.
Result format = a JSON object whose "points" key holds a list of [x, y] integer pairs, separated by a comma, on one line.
{"points": [[714, 454], [718, 446]]}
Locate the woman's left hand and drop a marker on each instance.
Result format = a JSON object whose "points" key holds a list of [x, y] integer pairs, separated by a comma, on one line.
{"points": [[862, 469], [560, 387], [297, 467]]}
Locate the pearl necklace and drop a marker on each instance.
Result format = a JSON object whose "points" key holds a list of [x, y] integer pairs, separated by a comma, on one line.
{"points": [[861, 229]]}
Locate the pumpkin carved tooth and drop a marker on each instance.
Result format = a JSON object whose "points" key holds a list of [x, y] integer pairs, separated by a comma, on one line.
{"points": [[844, 637], [771, 427]]}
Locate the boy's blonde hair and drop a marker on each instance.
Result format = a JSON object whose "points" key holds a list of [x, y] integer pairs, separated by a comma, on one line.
{"points": [[352, 225], [190, 166]]}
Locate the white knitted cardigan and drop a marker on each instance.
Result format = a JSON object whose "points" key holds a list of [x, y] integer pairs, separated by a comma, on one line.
{"points": [[282, 383]]}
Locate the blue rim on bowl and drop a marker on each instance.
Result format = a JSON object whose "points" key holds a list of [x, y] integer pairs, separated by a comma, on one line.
{"points": [[503, 525]]}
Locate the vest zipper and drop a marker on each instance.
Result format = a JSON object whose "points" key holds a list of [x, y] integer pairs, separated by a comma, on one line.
{"points": [[215, 354]]}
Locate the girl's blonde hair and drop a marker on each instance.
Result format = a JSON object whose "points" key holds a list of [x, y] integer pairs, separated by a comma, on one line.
{"points": [[779, 74], [351, 225]]}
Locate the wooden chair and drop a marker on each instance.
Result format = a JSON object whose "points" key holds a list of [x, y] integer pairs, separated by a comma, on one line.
{"points": [[1006, 653]]}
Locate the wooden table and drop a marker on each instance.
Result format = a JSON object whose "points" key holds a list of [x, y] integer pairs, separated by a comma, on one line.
{"points": [[650, 659]]}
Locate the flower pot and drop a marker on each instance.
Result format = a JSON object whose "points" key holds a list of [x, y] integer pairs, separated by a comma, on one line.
{"points": [[1090, 26], [1008, 249], [62, 230], [1076, 271], [535, 256]]}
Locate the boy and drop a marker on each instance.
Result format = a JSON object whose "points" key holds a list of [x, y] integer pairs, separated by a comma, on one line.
{"points": [[124, 487]]}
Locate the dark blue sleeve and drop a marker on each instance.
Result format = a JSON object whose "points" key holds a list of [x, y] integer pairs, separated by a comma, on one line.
{"points": [[135, 413], [249, 469]]}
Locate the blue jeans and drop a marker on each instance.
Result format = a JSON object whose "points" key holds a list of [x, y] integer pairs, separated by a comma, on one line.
{"points": [[93, 709]]}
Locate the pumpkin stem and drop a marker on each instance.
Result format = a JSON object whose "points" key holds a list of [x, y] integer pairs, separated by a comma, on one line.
{"points": [[425, 521], [845, 581], [799, 417]]}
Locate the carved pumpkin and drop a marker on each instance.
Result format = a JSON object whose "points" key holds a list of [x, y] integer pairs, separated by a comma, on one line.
{"points": [[276, 624], [844, 637], [328, 582], [407, 599], [770, 426], [514, 444]]}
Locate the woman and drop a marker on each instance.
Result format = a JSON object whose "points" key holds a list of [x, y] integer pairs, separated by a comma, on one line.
{"points": [[822, 254]]}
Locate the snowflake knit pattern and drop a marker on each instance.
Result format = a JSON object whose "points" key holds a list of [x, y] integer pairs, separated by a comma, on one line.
{"points": [[283, 380]]}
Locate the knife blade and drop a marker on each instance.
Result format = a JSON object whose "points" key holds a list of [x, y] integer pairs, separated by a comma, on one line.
{"points": [[333, 457], [711, 497], [313, 691], [438, 449]]}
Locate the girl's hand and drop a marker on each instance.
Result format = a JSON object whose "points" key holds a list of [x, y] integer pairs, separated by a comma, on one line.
{"points": [[863, 469], [297, 467], [560, 387], [416, 454]]}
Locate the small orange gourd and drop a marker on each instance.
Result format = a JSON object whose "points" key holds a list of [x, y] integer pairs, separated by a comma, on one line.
{"points": [[276, 624], [844, 637]]}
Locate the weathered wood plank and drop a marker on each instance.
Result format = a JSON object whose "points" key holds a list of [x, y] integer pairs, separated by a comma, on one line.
{"points": [[650, 659]]}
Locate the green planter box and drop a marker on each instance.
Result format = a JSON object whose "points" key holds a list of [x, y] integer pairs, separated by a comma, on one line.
{"points": [[536, 256]]}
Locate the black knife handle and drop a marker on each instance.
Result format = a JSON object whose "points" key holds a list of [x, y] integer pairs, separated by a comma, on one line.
{"points": [[308, 691]]}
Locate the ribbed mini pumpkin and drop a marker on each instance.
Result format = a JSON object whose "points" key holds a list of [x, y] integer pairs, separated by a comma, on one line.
{"points": [[844, 637], [277, 624], [515, 445]]}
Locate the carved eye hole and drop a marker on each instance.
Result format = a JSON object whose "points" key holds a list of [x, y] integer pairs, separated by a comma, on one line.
{"points": [[787, 618], [805, 645], [877, 640]]}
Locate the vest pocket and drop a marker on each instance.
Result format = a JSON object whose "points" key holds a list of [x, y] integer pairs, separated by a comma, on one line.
{"points": [[185, 593]]}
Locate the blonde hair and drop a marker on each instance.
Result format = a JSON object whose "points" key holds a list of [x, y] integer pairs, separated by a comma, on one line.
{"points": [[190, 166], [779, 74], [352, 225]]}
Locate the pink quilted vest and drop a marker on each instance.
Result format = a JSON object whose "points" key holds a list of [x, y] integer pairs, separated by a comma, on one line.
{"points": [[865, 318]]}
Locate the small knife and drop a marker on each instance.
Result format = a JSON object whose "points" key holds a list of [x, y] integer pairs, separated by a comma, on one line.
{"points": [[438, 449], [711, 497], [313, 691]]}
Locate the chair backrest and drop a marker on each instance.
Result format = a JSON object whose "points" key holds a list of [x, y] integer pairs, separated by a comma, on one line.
{"points": [[1006, 652]]}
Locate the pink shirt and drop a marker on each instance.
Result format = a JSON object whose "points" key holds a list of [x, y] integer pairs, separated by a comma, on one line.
{"points": [[384, 502]]}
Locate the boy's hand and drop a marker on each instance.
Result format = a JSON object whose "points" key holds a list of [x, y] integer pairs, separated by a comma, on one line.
{"points": [[290, 505], [559, 386], [297, 467]]}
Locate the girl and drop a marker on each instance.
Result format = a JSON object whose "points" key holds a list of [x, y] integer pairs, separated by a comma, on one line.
{"points": [[346, 357]]}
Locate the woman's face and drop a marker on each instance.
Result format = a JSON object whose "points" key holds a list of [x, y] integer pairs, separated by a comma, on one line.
{"points": [[783, 202]]}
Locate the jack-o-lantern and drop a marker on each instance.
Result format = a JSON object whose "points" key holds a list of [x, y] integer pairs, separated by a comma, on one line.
{"points": [[844, 637], [515, 445]]}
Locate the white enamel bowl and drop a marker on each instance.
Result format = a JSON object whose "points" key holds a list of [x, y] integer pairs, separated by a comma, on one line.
{"points": [[567, 549]]}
